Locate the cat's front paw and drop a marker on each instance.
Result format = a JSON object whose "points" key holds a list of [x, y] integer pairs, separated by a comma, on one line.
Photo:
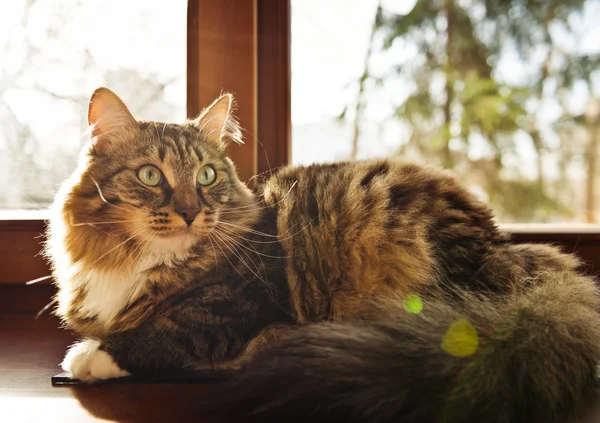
{"points": [[86, 362]]}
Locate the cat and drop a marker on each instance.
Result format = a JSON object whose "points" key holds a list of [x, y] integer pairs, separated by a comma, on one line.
{"points": [[376, 290]]}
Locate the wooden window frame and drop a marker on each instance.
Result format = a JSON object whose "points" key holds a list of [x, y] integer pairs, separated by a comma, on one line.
{"points": [[240, 46]]}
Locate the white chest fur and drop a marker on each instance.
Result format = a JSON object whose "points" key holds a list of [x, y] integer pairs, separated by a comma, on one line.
{"points": [[107, 292]]}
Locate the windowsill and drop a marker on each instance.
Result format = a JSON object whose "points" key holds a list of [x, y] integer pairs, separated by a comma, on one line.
{"points": [[22, 234], [550, 228]]}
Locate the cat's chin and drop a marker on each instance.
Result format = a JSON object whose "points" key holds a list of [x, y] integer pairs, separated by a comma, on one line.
{"points": [[178, 244]]}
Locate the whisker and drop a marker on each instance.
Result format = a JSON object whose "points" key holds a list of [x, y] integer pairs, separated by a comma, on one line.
{"points": [[227, 258], [208, 120], [136, 233], [251, 135], [236, 209], [46, 307], [71, 223], [279, 237], [233, 234], [272, 289], [232, 210], [269, 291], [214, 251], [270, 169], [203, 125], [211, 131], [158, 135], [102, 196], [139, 250], [163, 130], [237, 253], [236, 242], [258, 175], [43, 278], [245, 229], [297, 232], [251, 250]]}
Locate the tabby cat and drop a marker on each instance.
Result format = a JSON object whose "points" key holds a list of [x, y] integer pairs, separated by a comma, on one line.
{"points": [[370, 291]]}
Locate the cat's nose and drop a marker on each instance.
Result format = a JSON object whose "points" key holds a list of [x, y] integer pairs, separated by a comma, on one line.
{"points": [[188, 214]]}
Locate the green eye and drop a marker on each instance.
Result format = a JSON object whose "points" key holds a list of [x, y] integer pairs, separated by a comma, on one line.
{"points": [[149, 175], [207, 176]]}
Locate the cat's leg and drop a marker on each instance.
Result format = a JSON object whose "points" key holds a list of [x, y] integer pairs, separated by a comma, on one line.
{"points": [[149, 347], [145, 350], [167, 343], [86, 361], [209, 328]]}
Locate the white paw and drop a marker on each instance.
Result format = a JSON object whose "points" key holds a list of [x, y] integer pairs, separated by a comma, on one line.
{"points": [[87, 363]]}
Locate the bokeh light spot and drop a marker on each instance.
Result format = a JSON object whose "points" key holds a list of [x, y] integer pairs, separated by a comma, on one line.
{"points": [[412, 304], [460, 339]]}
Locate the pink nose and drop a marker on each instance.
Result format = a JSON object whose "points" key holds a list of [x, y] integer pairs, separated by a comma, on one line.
{"points": [[188, 214]]}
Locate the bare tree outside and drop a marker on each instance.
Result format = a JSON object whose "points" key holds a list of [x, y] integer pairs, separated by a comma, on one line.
{"points": [[506, 94], [53, 54]]}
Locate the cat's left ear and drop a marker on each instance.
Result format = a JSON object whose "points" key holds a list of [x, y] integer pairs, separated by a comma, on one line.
{"points": [[110, 121], [217, 124]]}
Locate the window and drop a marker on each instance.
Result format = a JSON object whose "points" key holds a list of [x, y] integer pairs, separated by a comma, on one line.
{"points": [[195, 61], [53, 54], [507, 94]]}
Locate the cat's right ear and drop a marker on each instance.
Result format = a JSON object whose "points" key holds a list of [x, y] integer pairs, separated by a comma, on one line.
{"points": [[110, 121], [217, 124]]}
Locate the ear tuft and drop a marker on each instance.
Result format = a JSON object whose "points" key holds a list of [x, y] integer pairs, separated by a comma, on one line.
{"points": [[109, 119], [217, 124]]}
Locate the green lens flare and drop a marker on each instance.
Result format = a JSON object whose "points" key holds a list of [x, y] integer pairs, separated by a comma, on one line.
{"points": [[460, 340], [412, 304]]}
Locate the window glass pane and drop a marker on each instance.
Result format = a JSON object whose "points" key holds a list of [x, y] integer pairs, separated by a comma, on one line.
{"points": [[53, 54], [507, 94]]}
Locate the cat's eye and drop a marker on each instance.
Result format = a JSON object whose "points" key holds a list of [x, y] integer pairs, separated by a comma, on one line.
{"points": [[149, 175], [206, 176]]}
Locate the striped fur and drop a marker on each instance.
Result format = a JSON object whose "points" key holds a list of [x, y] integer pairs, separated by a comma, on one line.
{"points": [[304, 281]]}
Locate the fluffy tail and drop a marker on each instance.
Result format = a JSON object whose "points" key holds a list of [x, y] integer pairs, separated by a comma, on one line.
{"points": [[527, 358]]}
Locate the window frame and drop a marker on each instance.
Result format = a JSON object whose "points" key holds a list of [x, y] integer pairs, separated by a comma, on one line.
{"points": [[253, 62]]}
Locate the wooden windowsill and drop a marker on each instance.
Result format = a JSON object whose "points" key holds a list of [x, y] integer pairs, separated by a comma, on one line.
{"points": [[550, 228], [31, 219], [21, 242]]}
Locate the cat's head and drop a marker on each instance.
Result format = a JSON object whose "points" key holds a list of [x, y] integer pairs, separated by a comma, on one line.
{"points": [[160, 186]]}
